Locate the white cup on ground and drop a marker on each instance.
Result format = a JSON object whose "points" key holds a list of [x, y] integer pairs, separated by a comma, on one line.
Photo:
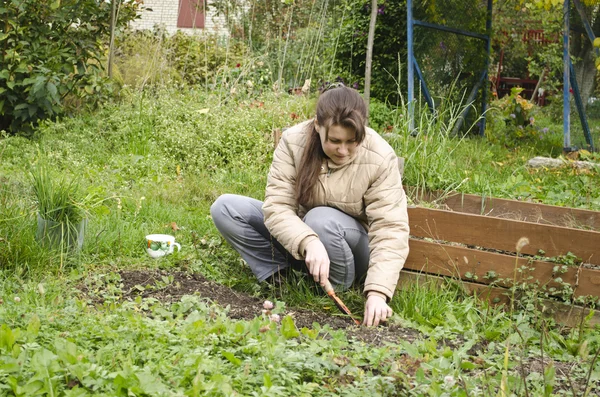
{"points": [[158, 245]]}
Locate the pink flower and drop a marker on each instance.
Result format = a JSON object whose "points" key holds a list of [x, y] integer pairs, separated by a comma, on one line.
{"points": [[268, 305], [275, 317]]}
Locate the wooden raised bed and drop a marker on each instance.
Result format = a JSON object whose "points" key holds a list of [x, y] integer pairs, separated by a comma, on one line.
{"points": [[475, 239]]}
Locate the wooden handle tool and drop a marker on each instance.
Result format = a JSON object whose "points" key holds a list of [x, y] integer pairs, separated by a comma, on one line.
{"points": [[338, 302]]}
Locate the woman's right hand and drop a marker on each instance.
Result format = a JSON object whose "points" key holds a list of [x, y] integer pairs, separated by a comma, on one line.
{"points": [[317, 261]]}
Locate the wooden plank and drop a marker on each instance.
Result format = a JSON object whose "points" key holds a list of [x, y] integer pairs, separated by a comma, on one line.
{"points": [[569, 315], [460, 262], [513, 209], [503, 234]]}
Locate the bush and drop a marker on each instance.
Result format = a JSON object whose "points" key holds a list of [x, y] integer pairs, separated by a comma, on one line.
{"points": [[511, 121], [52, 57]]}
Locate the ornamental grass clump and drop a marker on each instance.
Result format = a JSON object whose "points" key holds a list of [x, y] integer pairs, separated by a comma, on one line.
{"points": [[60, 215]]}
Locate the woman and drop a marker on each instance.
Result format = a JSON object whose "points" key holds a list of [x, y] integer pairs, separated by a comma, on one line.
{"points": [[334, 200]]}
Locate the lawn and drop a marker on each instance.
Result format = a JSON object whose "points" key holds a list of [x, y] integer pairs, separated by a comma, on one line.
{"points": [[110, 321]]}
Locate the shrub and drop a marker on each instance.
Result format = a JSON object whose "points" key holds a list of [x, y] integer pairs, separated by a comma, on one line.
{"points": [[52, 57], [511, 121]]}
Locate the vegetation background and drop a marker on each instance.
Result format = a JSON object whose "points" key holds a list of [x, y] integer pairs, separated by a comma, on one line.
{"points": [[186, 118]]}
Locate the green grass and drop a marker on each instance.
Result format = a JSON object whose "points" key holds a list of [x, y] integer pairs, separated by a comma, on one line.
{"points": [[160, 158]]}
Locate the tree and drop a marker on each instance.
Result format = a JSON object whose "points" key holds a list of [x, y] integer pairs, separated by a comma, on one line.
{"points": [[52, 56]]}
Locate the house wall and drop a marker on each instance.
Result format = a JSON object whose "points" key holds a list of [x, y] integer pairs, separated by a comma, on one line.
{"points": [[165, 12]]}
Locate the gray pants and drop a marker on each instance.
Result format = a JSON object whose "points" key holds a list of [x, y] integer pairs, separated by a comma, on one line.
{"points": [[241, 221]]}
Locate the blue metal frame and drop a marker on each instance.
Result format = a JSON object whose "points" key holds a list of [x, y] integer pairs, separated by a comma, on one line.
{"points": [[570, 80], [566, 79], [413, 65]]}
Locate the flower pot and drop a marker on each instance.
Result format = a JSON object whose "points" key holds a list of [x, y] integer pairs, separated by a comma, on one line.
{"points": [[60, 235]]}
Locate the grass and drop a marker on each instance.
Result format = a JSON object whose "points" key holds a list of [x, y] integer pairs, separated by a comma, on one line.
{"points": [[155, 162]]}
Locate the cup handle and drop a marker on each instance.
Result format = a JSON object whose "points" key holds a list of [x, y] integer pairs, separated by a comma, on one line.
{"points": [[178, 246]]}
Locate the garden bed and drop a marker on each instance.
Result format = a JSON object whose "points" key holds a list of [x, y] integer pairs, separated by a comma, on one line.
{"points": [[494, 244], [169, 287]]}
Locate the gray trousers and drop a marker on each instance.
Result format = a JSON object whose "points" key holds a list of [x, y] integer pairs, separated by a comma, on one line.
{"points": [[241, 221]]}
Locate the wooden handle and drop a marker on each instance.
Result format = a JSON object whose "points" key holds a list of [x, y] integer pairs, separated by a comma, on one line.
{"points": [[328, 288]]}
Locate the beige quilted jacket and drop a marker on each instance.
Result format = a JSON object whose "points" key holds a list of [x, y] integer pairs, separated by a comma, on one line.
{"points": [[368, 187]]}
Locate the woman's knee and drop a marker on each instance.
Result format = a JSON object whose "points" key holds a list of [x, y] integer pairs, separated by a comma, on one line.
{"points": [[324, 220], [218, 209]]}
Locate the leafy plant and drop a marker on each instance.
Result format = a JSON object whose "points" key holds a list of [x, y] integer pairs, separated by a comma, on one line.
{"points": [[59, 208], [52, 57], [57, 200]]}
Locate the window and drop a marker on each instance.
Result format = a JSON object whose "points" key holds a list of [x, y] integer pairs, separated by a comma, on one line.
{"points": [[191, 14]]}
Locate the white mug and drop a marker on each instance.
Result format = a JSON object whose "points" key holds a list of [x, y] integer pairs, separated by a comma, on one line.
{"points": [[158, 245]]}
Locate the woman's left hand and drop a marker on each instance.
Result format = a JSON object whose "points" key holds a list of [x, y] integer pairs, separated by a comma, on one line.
{"points": [[376, 311]]}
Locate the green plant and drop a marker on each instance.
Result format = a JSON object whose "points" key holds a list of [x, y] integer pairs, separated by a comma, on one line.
{"points": [[57, 200], [61, 215], [52, 57]]}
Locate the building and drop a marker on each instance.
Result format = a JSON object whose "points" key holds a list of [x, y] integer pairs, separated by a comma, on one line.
{"points": [[190, 16]]}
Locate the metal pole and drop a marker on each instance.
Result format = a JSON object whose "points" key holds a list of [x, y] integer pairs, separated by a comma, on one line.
{"points": [[486, 85], [411, 70], [566, 74]]}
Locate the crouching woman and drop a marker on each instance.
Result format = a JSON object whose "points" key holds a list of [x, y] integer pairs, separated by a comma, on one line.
{"points": [[334, 202]]}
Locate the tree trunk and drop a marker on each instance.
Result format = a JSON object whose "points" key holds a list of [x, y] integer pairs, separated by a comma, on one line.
{"points": [[582, 49], [370, 54], [585, 72]]}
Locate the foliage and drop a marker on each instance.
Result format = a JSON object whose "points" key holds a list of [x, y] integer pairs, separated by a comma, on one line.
{"points": [[163, 156], [203, 59], [57, 200], [153, 58], [349, 26], [512, 122], [52, 54]]}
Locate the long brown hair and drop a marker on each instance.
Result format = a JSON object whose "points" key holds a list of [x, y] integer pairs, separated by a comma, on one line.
{"points": [[341, 106]]}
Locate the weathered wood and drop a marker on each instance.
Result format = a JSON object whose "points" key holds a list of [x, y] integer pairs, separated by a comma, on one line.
{"points": [[519, 210], [503, 234], [489, 267], [569, 315]]}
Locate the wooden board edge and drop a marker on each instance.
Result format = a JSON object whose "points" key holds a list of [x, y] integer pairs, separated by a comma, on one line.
{"points": [[565, 314]]}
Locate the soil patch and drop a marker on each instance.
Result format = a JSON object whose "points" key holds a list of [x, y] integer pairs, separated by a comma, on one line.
{"points": [[169, 287]]}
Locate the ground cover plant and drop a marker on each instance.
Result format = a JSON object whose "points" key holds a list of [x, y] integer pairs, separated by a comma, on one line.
{"points": [[108, 320]]}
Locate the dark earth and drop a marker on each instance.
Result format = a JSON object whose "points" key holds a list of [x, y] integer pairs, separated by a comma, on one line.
{"points": [[246, 307]]}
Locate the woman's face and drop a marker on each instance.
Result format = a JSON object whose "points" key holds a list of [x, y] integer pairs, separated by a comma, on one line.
{"points": [[340, 143]]}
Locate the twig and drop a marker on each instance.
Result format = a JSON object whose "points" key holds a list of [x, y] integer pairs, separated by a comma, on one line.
{"points": [[589, 376], [571, 383], [522, 366]]}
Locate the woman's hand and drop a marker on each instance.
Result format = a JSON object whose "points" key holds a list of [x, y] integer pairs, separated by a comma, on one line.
{"points": [[376, 311], [317, 261]]}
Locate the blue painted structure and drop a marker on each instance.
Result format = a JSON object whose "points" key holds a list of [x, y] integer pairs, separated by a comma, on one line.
{"points": [[570, 81], [413, 65]]}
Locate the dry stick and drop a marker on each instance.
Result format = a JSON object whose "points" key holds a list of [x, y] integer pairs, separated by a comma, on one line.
{"points": [[537, 86], [369, 59], [571, 383], [304, 44], [111, 45], [522, 366], [589, 376], [336, 44], [287, 40], [319, 35]]}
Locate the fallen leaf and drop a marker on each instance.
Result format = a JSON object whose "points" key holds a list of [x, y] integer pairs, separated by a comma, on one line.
{"points": [[174, 226], [203, 111]]}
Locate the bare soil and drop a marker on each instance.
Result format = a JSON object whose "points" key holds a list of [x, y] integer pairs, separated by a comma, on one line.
{"points": [[246, 307]]}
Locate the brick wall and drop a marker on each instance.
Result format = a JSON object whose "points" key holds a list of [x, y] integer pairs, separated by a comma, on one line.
{"points": [[165, 12]]}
